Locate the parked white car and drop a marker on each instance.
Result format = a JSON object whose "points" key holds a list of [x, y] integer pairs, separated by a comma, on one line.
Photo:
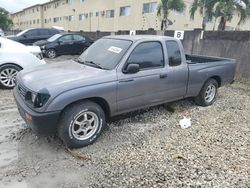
{"points": [[14, 57], [1, 33]]}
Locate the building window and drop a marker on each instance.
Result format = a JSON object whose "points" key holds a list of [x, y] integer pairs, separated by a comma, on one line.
{"points": [[125, 11], [45, 20], [81, 17], [149, 7], [69, 2], [37, 9], [55, 20], [37, 21], [55, 5], [71, 18], [110, 13], [81, 1], [97, 14], [34, 21]]}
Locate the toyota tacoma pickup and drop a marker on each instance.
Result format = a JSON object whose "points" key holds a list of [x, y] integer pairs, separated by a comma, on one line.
{"points": [[117, 74]]}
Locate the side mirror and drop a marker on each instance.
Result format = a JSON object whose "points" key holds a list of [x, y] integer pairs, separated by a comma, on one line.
{"points": [[132, 68], [24, 36]]}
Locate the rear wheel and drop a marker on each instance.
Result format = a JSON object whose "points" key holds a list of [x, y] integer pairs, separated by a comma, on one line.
{"points": [[81, 124], [208, 93], [51, 53], [8, 75]]}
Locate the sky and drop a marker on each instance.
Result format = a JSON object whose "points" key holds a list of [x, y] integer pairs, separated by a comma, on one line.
{"points": [[17, 5]]}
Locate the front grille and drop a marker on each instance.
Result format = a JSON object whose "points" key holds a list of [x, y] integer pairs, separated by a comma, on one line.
{"points": [[21, 90]]}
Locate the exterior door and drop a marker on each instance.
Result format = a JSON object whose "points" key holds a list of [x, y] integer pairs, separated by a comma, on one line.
{"points": [[146, 87], [30, 37], [65, 44], [79, 44], [177, 71]]}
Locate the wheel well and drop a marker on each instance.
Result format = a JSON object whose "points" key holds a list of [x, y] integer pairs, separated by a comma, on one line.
{"points": [[12, 64], [100, 101], [218, 79]]}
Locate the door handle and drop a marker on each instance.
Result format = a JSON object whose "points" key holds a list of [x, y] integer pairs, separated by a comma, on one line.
{"points": [[126, 80], [163, 76]]}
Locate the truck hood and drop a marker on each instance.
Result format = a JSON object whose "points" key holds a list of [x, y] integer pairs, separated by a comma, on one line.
{"points": [[63, 76]]}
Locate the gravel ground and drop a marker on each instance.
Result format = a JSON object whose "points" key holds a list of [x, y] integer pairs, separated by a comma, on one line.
{"points": [[142, 149]]}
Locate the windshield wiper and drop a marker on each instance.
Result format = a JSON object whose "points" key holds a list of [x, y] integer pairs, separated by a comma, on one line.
{"points": [[91, 63]]}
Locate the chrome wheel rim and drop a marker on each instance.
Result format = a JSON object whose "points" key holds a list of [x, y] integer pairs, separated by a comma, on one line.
{"points": [[8, 77], [85, 125], [210, 93], [51, 54]]}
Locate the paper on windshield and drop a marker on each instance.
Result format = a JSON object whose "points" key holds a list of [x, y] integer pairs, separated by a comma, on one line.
{"points": [[115, 49]]}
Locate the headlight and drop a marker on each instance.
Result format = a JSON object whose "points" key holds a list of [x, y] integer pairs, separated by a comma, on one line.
{"points": [[41, 99], [38, 99], [33, 97]]}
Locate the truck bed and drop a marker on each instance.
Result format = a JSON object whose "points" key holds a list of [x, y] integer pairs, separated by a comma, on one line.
{"points": [[193, 59]]}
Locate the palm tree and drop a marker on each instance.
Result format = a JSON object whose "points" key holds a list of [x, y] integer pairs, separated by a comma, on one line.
{"points": [[165, 7], [205, 8], [225, 10]]}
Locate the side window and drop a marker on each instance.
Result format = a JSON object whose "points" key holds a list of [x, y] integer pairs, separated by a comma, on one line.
{"points": [[53, 31], [31, 33], [66, 38], [78, 38], [174, 53], [44, 32], [147, 55]]}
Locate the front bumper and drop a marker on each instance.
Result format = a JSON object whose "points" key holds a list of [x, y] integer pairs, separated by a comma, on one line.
{"points": [[40, 123]]}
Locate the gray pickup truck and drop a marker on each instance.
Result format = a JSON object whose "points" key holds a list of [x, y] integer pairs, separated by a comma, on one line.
{"points": [[117, 74]]}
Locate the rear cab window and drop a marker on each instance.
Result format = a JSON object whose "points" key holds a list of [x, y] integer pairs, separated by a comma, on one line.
{"points": [[174, 53], [148, 55]]}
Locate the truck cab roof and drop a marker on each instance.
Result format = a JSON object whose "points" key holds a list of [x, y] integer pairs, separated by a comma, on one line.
{"points": [[135, 38]]}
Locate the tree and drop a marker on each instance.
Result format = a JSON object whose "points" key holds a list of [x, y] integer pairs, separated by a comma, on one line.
{"points": [[5, 21], [205, 8], [225, 10], [164, 9]]}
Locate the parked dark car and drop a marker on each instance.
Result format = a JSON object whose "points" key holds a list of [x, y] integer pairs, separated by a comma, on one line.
{"points": [[64, 44], [29, 36]]}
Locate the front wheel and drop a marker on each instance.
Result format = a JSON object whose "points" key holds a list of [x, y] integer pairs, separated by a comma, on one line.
{"points": [[81, 124], [8, 75], [208, 93], [51, 53]]}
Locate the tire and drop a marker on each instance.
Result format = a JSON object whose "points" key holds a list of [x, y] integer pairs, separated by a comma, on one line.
{"points": [[208, 93], [76, 129], [51, 53], [8, 75]]}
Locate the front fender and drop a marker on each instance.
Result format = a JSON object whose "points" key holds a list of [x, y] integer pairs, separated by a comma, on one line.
{"points": [[106, 91]]}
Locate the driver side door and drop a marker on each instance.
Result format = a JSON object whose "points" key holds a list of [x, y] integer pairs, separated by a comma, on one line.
{"points": [[146, 87], [65, 44]]}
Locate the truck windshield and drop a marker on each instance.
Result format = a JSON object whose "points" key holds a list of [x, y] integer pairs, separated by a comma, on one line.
{"points": [[106, 53]]}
